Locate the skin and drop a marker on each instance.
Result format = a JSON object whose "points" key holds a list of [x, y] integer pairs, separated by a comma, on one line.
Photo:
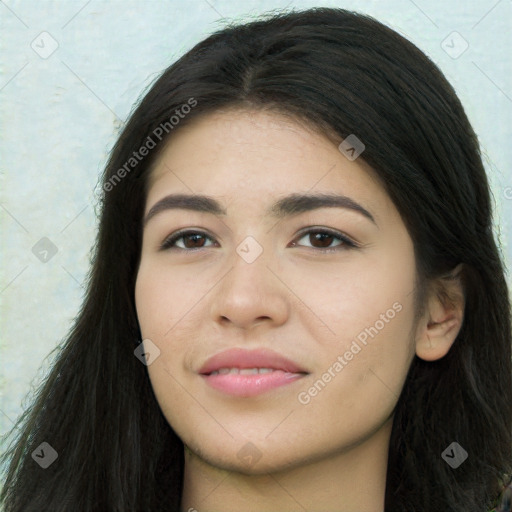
{"points": [[330, 453]]}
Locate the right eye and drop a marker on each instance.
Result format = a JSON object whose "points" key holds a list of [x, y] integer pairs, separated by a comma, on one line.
{"points": [[188, 239]]}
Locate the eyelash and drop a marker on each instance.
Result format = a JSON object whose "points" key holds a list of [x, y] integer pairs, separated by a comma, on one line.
{"points": [[346, 242]]}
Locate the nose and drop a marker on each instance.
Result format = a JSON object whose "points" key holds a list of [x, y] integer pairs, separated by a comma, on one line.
{"points": [[248, 295]]}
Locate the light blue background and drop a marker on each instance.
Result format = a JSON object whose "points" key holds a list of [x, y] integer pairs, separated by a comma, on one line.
{"points": [[60, 116]]}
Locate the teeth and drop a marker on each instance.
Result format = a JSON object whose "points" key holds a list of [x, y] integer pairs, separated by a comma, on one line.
{"points": [[243, 371], [249, 371]]}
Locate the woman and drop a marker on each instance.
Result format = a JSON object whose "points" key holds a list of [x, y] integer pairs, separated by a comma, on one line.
{"points": [[296, 300]]}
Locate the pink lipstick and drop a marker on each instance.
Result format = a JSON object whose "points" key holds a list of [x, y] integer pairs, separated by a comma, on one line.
{"points": [[245, 373]]}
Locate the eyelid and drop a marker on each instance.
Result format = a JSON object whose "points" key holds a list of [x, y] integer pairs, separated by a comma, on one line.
{"points": [[173, 237], [347, 241]]}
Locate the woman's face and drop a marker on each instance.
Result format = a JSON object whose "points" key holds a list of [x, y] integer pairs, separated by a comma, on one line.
{"points": [[268, 274]]}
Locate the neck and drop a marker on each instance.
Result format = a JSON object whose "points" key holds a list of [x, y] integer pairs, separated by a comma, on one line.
{"points": [[354, 479]]}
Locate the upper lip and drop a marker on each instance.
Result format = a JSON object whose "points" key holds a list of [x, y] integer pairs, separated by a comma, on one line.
{"points": [[243, 358]]}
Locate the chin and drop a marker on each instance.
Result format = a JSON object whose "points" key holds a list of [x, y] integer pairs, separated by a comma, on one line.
{"points": [[251, 460]]}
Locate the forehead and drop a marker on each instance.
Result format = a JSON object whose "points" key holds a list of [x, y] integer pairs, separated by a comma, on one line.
{"points": [[240, 133], [245, 154]]}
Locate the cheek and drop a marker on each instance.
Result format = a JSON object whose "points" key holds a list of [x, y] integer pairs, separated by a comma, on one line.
{"points": [[171, 311], [342, 300], [151, 304], [363, 323], [356, 389], [164, 303], [163, 298]]}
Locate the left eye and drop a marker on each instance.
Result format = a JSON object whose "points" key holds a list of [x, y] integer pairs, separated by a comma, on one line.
{"points": [[321, 239]]}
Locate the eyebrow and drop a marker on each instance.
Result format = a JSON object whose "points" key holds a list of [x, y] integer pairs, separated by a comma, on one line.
{"points": [[292, 204]]}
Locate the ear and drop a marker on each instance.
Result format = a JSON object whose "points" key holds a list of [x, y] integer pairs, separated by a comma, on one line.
{"points": [[442, 318]]}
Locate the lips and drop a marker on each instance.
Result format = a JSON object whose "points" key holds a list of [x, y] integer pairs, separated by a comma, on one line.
{"points": [[244, 359], [242, 372]]}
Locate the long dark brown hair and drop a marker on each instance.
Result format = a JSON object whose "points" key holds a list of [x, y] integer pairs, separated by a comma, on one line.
{"points": [[344, 73]]}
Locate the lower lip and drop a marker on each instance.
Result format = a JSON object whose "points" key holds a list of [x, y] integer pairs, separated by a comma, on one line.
{"points": [[251, 385]]}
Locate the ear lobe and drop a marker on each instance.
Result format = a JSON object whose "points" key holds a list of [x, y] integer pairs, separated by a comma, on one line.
{"points": [[444, 313]]}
